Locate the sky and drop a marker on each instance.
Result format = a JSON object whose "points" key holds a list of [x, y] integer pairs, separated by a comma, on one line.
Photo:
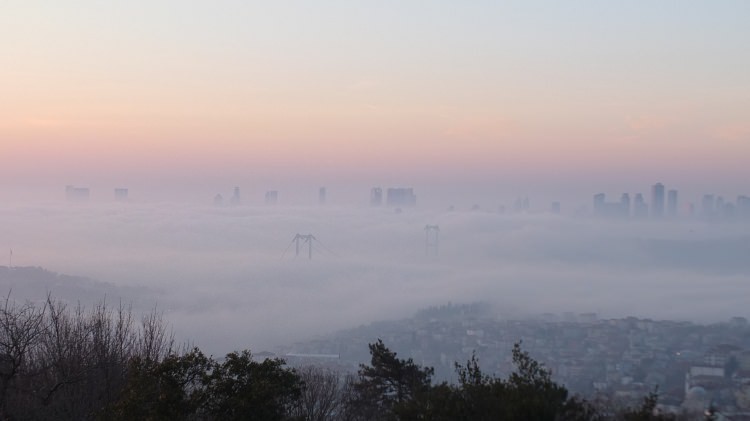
{"points": [[183, 99]]}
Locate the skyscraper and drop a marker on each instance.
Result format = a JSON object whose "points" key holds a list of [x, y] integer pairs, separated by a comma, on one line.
{"points": [[376, 196], [322, 196], [236, 200], [707, 206], [625, 205], [657, 200], [672, 203], [640, 208], [121, 194], [272, 197]]}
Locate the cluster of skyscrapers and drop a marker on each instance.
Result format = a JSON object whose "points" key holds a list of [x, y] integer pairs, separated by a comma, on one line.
{"points": [[665, 203], [82, 194], [395, 196]]}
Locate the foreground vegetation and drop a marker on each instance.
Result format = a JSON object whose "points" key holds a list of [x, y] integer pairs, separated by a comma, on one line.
{"points": [[61, 363]]}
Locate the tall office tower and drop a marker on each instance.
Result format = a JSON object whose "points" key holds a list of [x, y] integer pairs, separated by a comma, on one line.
{"points": [[625, 205], [719, 209], [235, 200], [672, 203], [322, 196], [555, 208], [376, 196], [640, 208], [743, 206], [400, 196], [657, 200], [272, 197], [599, 199], [218, 200], [77, 194], [121, 195], [707, 205]]}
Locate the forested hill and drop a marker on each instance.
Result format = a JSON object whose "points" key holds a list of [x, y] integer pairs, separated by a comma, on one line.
{"points": [[35, 283]]}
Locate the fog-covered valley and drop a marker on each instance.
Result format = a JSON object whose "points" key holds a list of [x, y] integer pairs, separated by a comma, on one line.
{"points": [[229, 278]]}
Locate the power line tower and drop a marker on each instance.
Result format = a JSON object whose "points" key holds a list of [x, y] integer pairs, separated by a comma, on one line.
{"points": [[305, 238], [431, 240], [300, 240]]}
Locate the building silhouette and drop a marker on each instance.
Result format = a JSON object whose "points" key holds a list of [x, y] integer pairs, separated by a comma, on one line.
{"points": [[657, 200], [620, 209], [376, 196], [121, 194], [640, 208], [236, 200], [672, 203], [76, 194], [707, 206], [272, 197], [400, 196], [322, 195]]}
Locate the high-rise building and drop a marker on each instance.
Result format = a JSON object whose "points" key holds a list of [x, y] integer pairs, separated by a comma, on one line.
{"points": [[657, 200], [672, 203], [606, 209], [77, 194], [218, 200], [555, 208], [625, 205], [599, 199], [376, 196], [121, 194], [236, 200], [743, 206], [322, 195], [640, 208], [400, 196], [707, 206], [272, 197]]}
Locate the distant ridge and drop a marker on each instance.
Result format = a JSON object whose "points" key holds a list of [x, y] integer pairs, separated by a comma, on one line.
{"points": [[29, 283]]}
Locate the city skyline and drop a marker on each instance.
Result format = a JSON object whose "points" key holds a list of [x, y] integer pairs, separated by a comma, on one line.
{"points": [[486, 94]]}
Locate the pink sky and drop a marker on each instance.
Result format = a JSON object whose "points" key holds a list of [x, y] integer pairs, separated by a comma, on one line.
{"points": [[141, 94]]}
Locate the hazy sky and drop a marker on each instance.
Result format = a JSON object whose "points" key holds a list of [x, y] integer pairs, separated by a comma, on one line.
{"points": [[526, 96]]}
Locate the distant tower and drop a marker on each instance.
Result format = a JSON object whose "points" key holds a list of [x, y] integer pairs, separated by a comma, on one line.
{"points": [[625, 205], [306, 239], [555, 208], [272, 197], [640, 208], [707, 205], [236, 200], [218, 200], [657, 200], [400, 196], [322, 196], [599, 204], [672, 203], [376, 196], [121, 195], [77, 194], [432, 239]]}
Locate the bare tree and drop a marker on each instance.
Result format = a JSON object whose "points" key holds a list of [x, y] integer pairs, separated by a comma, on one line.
{"points": [[321, 394], [21, 327]]}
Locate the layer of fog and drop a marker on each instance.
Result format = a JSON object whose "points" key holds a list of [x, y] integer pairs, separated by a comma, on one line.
{"points": [[219, 276]]}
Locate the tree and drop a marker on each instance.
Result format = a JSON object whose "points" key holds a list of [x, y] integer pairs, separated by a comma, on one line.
{"points": [[320, 399], [172, 389], [388, 386], [243, 389]]}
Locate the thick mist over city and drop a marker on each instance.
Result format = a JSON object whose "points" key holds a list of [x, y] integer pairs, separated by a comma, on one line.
{"points": [[375, 210], [230, 274]]}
